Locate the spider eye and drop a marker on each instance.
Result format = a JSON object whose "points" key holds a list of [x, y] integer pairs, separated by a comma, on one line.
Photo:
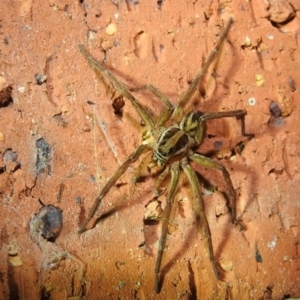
{"points": [[190, 122]]}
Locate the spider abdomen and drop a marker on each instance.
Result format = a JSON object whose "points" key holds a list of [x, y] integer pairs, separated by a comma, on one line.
{"points": [[172, 142]]}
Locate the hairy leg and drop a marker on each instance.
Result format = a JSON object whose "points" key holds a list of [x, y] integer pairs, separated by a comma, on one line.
{"points": [[165, 222], [211, 164], [120, 87], [167, 112], [186, 96], [132, 158], [199, 210]]}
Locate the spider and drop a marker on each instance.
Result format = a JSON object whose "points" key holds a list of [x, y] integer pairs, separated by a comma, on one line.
{"points": [[171, 142]]}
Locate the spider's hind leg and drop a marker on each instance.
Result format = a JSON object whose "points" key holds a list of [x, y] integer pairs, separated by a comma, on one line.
{"points": [[211, 164], [199, 210], [165, 222], [160, 180]]}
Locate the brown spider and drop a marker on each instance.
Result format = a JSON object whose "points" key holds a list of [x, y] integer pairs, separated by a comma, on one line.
{"points": [[171, 148]]}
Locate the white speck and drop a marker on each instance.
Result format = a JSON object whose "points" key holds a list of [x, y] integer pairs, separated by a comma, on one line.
{"points": [[270, 36], [247, 41], [272, 244], [91, 35], [26, 27], [251, 101], [116, 15], [21, 89]]}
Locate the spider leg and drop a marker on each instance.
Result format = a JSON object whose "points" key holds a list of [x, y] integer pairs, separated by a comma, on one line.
{"points": [[140, 170], [228, 114], [160, 180], [211, 164], [199, 210], [223, 114], [156, 92], [186, 96], [165, 222], [165, 115], [120, 87], [217, 115], [132, 158]]}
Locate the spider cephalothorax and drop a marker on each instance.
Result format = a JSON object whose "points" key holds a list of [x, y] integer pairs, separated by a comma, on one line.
{"points": [[173, 147], [178, 140]]}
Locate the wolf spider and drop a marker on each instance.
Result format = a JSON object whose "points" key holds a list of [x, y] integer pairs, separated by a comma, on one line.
{"points": [[171, 148]]}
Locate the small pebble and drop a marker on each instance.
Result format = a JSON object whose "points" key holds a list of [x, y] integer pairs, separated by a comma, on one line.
{"points": [[92, 35], [247, 42], [111, 29], [46, 223], [226, 265], [259, 79], [21, 89], [292, 84], [275, 109], [40, 78], [10, 156]]}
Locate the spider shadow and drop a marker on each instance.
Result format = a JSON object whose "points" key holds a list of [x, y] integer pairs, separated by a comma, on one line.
{"points": [[121, 203], [179, 254], [105, 215]]}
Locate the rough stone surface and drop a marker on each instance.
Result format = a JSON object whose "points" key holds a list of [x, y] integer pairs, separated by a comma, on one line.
{"points": [[163, 43]]}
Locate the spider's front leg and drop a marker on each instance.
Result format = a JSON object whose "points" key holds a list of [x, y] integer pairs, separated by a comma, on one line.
{"points": [[120, 87], [186, 96], [194, 123], [239, 114]]}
